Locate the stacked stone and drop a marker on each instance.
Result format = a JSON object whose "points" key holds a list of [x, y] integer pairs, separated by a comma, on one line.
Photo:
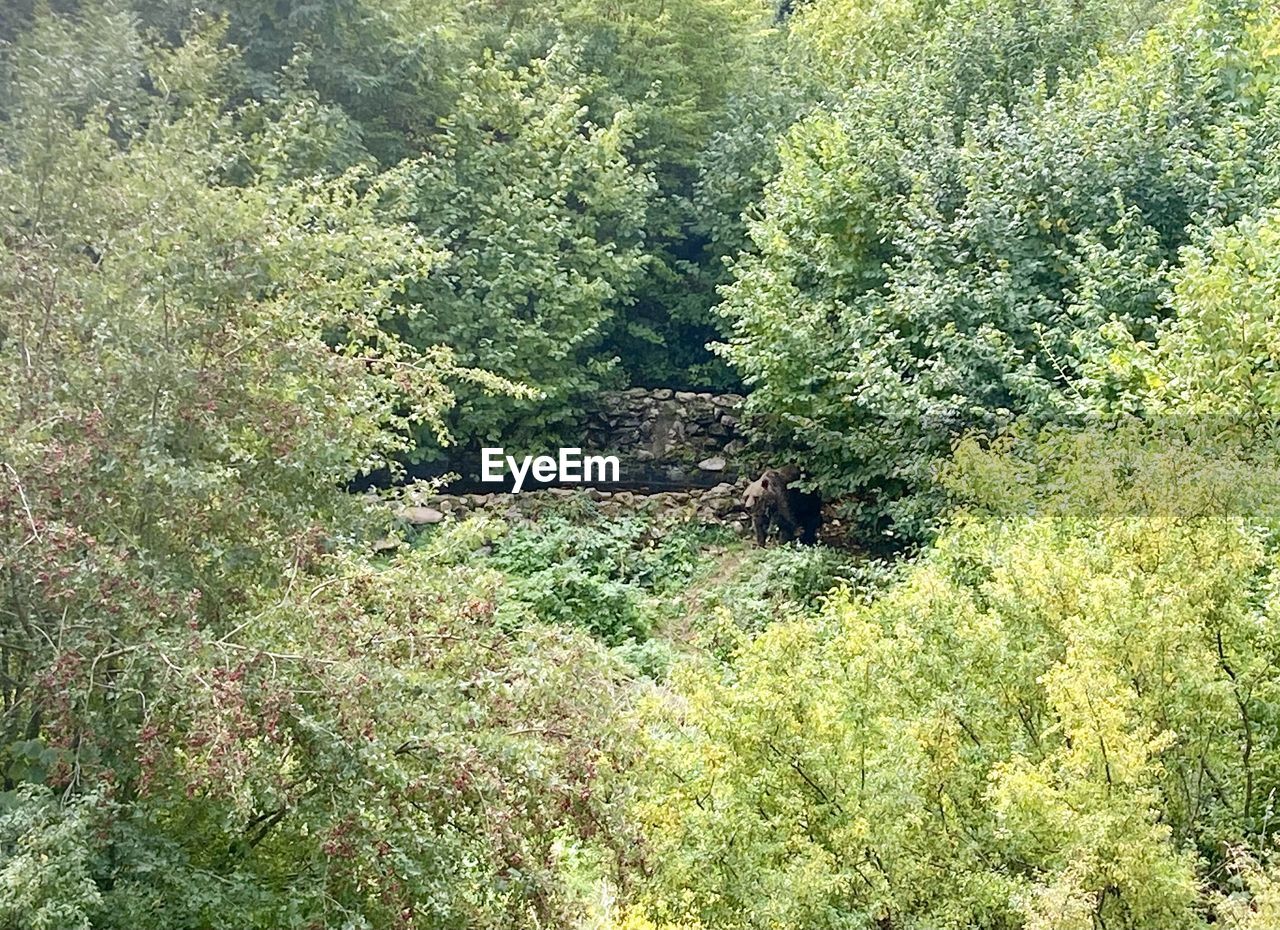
{"points": [[686, 429], [718, 505]]}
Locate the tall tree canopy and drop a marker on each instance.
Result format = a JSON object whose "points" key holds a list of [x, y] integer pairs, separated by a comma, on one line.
{"points": [[941, 248]]}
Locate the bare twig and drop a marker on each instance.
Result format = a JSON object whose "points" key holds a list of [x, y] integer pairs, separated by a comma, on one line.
{"points": [[25, 504]]}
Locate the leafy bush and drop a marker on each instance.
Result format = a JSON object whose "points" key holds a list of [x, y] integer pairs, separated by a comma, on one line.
{"points": [[46, 873], [1212, 366], [779, 583], [598, 575], [539, 214], [943, 244], [1062, 715], [378, 747], [215, 712]]}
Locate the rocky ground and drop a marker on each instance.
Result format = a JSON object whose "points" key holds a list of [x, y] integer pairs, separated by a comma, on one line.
{"points": [[720, 505]]}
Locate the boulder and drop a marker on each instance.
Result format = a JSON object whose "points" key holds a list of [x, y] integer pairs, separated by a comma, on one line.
{"points": [[420, 516], [715, 463], [721, 505]]}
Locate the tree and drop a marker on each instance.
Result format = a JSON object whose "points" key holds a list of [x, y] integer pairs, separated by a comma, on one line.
{"points": [[540, 215], [214, 707], [933, 258], [1211, 368]]}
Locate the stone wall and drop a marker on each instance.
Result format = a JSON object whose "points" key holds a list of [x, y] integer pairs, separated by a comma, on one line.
{"points": [[670, 437], [682, 447], [664, 440], [720, 504], [684, 456]]}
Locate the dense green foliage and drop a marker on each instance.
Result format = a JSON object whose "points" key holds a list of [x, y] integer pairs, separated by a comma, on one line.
{"points": [[942, 250], [541, 216], [555, 152], [1004, 276], [1059, 720]]}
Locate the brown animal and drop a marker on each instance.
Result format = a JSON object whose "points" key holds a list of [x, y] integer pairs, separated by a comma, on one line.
{"points": [[771, 501]]}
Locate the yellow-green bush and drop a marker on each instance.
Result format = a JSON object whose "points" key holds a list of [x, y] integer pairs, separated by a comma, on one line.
{"points": [[1055, 719]]}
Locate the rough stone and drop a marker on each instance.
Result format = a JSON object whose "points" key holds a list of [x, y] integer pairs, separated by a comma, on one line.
{"points": [[720, 504], [664, 427], [420, 516], [715, 463]]}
